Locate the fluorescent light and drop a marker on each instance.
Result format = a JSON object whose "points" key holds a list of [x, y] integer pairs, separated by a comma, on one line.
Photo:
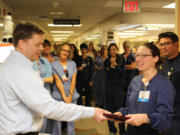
{"points": [[1, 25], [131, 34], [60, 35], [59, 39], [95, 35], [148, 28], [172, 5], [90, 38], [161, 25], [126, 36], [62, 31], [133, 31], [69, 25], [56, 13], [126, 27]]}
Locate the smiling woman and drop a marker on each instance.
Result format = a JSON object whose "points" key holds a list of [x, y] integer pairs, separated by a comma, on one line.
{"points": [[146, 108], [64, 73]]}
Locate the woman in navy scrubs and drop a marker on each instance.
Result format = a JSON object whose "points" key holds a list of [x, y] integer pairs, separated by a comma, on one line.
{"points": [[149, 104], [114, 85]]}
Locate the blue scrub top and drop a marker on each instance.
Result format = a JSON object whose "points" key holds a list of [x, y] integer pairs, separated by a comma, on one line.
{"points": [[44, 69], [59, 70], [160, 104]]}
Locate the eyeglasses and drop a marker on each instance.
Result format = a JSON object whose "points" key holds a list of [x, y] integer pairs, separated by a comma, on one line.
{"points": [[165, 43], [68, 51], [142, 56]]}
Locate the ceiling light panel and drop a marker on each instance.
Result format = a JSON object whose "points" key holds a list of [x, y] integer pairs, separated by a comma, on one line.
{"points": [[172, 5], [131, 31], [126, 36], [148, 28], [56, 13], [131, 34], [60, 35], [62, 32]]}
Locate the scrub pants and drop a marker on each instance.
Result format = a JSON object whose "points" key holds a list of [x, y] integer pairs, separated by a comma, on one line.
{"points": [[99, 88], [114, 101], [175, 128], [84, 89], [47, 125], [56, 127]]}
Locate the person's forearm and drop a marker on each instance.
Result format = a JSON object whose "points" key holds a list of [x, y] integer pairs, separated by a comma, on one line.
{"points": [[73, 84], [60, 86], [48, 80]]}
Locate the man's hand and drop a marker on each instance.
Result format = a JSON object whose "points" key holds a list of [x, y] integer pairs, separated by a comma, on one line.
{"points": [[98, 115], [137, 119]]}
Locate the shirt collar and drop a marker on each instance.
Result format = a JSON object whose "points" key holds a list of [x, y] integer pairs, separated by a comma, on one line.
{"points": [[21, 58], [156, 77]]}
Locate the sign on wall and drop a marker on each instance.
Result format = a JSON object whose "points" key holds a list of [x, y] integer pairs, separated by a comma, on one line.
{"points": [[131, 6]]}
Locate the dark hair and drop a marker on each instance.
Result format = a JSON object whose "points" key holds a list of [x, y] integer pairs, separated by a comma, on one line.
{"points": [[126, 43], [170, 35], [83, 45], [46, 43], [25, 31], [75, 49], [102, 49], [154, 51], [109, 47]]}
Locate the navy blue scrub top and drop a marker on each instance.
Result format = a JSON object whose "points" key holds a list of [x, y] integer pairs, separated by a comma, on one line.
{"points": [[160, 104]]}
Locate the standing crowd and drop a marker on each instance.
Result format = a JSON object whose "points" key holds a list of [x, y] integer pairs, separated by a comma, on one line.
{"points": [[142, 86]]}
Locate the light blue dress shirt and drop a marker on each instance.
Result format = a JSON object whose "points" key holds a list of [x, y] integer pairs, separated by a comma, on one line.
{"points": [[24, 100]]}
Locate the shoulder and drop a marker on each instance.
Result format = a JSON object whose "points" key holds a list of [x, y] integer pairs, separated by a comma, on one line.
{"points": [[54, 63], [71, 63], [163, 82], [137, 78], [178, 59], [44, 60]]}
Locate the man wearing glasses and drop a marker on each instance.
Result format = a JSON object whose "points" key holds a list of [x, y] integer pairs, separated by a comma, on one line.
{"points": [[168, 43]]}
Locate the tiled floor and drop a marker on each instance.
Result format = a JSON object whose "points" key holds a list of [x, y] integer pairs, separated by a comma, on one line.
{"points": [[101, 128]]}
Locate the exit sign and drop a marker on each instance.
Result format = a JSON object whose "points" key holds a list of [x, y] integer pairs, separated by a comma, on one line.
{"points": [[131, 6]]}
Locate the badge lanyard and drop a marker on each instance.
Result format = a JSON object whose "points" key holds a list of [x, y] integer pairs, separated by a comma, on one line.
{"points": [[65, 74], [144, 94]]}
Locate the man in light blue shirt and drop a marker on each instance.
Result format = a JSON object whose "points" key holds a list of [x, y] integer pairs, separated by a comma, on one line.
{"points": [[23, 99]]}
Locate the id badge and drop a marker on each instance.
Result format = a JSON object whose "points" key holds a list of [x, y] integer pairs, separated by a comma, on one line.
{"points": [[144, 96], [64, 78], [83, 65]]}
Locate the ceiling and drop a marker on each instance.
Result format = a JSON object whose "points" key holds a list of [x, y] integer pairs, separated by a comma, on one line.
{"points": [[90, 12]]}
